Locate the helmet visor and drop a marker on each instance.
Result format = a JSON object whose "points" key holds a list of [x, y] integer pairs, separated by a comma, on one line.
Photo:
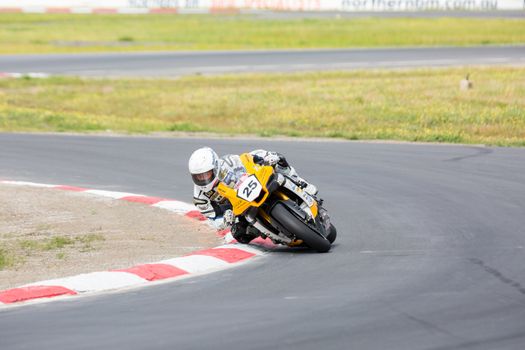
{"points": [[203, 179]]}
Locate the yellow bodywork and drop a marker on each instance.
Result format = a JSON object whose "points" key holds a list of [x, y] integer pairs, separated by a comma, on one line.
{"points": [[261, 172], [314, 209]]}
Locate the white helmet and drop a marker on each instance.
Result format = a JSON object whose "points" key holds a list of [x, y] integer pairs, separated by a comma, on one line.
{"points": [[203, 166]]}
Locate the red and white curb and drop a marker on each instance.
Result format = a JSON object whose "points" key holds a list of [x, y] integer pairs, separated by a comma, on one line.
{"points": [[208, 260]]}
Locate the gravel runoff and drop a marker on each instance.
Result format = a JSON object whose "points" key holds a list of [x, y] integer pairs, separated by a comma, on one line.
{"points": [[48, 233]]}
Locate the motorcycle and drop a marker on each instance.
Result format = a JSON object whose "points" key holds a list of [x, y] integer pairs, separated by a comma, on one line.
{"points": [[277, 206]]}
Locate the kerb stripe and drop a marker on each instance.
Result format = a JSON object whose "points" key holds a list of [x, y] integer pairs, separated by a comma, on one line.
{"points": [[154, 272], [33, 292], [143, 199], [231, 255]]}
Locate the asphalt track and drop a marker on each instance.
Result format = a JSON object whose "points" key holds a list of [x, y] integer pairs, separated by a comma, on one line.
{"points": [[430, 252], [172, 64]]}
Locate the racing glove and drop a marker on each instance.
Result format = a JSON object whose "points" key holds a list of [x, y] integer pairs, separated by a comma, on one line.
{"points": [[227, 220], [282, 161], [271, 159]]}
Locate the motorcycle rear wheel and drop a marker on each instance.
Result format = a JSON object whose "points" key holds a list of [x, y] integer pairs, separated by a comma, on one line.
{"points": [[300, 229]]}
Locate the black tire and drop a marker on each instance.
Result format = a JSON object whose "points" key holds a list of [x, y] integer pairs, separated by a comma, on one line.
{"points": [[300, 229], [332, 234]]}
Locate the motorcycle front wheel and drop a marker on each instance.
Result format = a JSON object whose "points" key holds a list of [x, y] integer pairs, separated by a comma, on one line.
{"points": [[332, 234], [300, 229]]}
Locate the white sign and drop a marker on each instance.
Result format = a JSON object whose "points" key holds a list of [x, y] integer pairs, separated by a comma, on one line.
{"points": [[292, 5]]}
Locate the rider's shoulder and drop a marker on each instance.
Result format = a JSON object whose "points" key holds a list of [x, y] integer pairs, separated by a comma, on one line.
{"points": [[228, 156], [230, 166], [231, 160]]}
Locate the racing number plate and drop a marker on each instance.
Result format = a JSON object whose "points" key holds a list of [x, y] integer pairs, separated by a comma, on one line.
{"points": [[249, 189]]}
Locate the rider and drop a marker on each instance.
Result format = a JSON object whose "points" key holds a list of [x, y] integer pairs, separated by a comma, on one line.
{"points": [[208, 170]]}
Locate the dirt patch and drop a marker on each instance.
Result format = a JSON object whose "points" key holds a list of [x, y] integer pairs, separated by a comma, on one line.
{"points": [[48, 233]]}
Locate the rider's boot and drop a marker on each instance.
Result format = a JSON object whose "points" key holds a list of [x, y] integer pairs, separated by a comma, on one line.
{"points": [[243, 232]]}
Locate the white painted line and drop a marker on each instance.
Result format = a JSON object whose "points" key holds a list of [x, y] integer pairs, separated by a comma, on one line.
{"points": [[132, 10], [16, 75], [175, 206], [196, 263], [83, 10], [113, 194], [34, 9], [24, 183], [38, 75], [94, 281], [246, 248], [183, 11]]}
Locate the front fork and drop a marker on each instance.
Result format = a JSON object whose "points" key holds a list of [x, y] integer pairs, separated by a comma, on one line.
{"points": [[251, 217]]}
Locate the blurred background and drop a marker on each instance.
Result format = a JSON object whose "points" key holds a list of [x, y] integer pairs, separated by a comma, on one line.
{"points": [[414, 70]]}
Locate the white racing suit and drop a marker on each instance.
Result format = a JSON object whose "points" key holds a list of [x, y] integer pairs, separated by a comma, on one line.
{"points": [[212, 205]]}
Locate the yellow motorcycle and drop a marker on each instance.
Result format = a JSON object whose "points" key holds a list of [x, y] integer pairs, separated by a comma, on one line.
{"points": [[277, 206]]}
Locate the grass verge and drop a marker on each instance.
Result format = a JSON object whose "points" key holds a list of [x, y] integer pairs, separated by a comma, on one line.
{"points": [[410, 105], [83, 243], [46, 33], [6, 260]]}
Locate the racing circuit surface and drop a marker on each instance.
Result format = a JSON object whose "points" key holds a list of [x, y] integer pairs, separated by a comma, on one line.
{"points": [[430, 252], [171, 64]]}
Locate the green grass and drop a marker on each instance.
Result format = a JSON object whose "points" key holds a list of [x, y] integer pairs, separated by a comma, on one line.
{"points": [[44, 33], [88, 239], [52, 243], [58, 242], [6, 260], [411, 105], [15, 255], [30, 245]]}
